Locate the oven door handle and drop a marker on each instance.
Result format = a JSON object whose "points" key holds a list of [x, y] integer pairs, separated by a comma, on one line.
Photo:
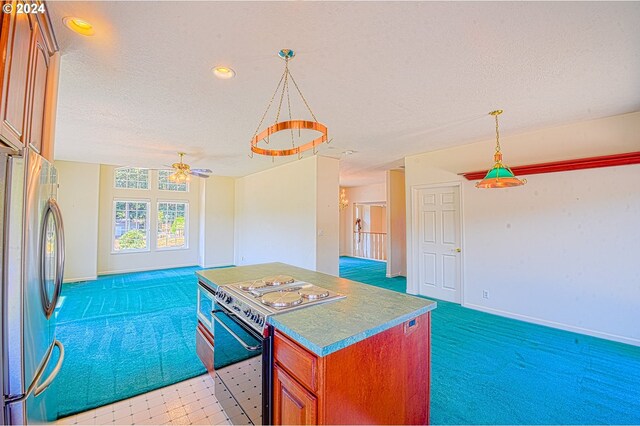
{"points": [[235, 336]]}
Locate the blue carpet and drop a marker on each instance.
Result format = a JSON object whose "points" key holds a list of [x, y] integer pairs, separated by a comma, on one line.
{"points": [[126, 334], [487, 369]]}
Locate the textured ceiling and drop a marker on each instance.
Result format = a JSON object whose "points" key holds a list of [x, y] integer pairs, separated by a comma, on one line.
{"points": [[389, 79]]}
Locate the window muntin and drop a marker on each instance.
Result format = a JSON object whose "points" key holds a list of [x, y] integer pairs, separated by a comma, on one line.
{"points": [[173, 224], [131, 178], [130, 225], [164, 184]]}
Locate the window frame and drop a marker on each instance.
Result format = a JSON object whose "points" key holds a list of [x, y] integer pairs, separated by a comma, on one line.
{"points": [[148, 188], [186, 191], [186, 224], [147, 225]]}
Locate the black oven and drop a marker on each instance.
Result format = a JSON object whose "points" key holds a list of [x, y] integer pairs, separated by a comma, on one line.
{"points": [[250, 388]]}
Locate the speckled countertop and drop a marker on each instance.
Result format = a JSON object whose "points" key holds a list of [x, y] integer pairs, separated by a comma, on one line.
{"points": [[331, 326]]}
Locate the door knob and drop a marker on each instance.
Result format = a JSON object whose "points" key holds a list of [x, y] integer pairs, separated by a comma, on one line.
{"points": [[458, 250]]}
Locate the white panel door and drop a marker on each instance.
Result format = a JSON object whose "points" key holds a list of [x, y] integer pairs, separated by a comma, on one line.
{"points": [[437, 230]]}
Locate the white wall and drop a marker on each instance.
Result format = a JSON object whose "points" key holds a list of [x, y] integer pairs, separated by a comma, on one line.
{"points": [[378, 219], [561, 250], [217, 210], [78, 200], [327, 215], [109, 262], [277, 215], [397, 226]]}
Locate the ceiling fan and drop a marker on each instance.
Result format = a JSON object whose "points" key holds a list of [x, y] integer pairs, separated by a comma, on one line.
{"points": [[183, 170]]}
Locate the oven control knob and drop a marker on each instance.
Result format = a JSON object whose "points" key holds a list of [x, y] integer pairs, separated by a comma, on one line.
{"points": [[228, 299], [247, 312]]}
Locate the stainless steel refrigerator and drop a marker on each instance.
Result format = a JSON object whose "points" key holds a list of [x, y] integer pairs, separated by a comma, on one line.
{"points": [[31, 269]]}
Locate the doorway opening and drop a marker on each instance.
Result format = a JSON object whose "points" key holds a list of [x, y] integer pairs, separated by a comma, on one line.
{"points": [[370, 231]]}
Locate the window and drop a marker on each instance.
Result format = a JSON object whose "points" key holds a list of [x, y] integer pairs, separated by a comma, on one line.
{"points": [[172, 224], [131, 226], [165, 184], [131, 178]]}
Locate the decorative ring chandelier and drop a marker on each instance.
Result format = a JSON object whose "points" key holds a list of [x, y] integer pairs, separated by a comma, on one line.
{"points": [[499, 176], [291, 125]]}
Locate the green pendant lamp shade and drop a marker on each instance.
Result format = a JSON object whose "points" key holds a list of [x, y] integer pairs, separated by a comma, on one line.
{"points": [[500, 176]]}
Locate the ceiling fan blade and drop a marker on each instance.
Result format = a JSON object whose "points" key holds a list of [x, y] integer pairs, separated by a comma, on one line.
{"points": [[201, 170], [202, 175]]}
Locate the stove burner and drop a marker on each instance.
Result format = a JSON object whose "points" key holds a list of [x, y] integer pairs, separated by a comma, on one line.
{"points": [[251, 285], [313, 293], [281, 299], [278, 280]]}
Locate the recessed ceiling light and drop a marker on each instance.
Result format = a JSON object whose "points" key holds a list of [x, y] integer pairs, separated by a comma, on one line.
{"points": [[79, 26], [224, 73], [348, 152]]}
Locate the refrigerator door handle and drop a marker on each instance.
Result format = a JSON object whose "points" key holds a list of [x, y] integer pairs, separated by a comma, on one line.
{"points": [[12, 399], [54, 210], [44, 385]]}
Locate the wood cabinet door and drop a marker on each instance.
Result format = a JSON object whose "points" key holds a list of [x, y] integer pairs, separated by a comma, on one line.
{"points": [[292, 403], [16, 78], [40, 71]]}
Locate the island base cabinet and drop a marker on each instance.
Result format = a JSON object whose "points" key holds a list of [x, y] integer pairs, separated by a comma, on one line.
{"points": [[383, 379], [292, 403]]}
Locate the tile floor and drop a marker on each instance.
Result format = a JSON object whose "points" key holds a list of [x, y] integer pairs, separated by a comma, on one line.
{"points": [[191, 402], [244, 381]]}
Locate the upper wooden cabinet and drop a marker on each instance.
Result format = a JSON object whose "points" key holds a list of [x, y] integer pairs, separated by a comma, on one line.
{"points": [[15, 84], [28, 101], [40, 70]]}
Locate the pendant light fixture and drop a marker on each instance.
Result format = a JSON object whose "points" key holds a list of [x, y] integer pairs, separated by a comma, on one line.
{"points": [[500, 176], [263, 136], [344, 201]]}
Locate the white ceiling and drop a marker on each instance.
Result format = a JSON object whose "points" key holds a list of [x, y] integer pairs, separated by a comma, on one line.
{"points": [[389, 79]]}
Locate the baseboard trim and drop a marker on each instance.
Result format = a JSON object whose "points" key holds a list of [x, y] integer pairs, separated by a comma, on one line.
{"points": [[218, 265], [553, 324], [126, 271], [397, 274], [367, 258], [76, 280]]}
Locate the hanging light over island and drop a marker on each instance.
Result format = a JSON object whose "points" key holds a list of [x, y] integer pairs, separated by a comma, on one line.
{"points": [[499, 176], [291, 124]]}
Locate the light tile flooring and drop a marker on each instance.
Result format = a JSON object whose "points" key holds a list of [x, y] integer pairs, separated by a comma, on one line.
{"points": [[244, 381], [191, 402]]}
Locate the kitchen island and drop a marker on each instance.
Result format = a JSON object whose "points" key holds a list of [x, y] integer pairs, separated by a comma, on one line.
{"points": [[361, 359]]}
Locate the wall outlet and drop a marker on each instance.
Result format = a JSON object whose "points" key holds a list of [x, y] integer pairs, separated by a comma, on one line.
{"points": [[485, 294]]}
